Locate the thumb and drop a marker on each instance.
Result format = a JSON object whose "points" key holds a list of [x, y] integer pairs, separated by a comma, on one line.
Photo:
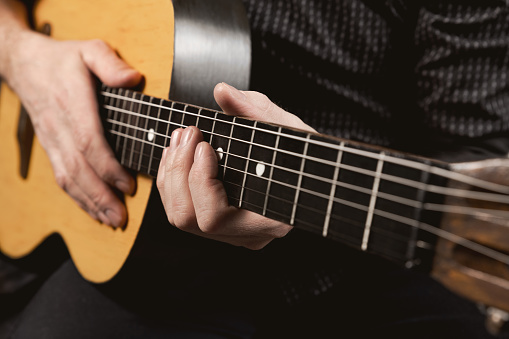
{"points": [[256, 106], [102, 60]]}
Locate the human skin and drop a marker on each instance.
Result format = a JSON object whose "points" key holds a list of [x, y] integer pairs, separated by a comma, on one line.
{"points": [[67, 124]]}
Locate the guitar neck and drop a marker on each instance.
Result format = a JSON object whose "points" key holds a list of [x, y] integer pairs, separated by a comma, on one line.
{"points": [[363, 196]]}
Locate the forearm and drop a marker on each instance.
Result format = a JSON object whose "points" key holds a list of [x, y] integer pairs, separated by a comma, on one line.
{"points": [[13, 22]]}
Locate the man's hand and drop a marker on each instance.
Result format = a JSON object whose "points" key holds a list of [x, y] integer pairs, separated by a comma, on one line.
{"points": [[55, 83], [194, 200]]}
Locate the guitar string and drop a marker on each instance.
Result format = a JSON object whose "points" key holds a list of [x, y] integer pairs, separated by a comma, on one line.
{"points": [[403, 162], [170, 122], [477, 247], [352, 241], [410, 222], [413, 184], [476, 212], [436, 189]]}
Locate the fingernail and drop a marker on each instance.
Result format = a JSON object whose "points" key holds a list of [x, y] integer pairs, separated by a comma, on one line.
{"points": [[124, 186], [199, 152], [115, 219], [188, 134], [175, 139], [103, 218], [235, 92]]}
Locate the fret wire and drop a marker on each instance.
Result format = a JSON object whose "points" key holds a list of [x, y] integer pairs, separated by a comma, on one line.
{"points": [[184, 112], [167, 136], [140, 159], [299, 180], [197, 117], [409, 202], [129, 116], [247, 166], [273, 163], [372, 202], [413, 223], [134, 143], [212, 132], [152, 148], [332, 192], [399, 161], [115, 118], [228, 147], [121, 116]]}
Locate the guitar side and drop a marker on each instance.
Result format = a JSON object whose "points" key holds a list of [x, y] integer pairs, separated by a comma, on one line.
{"points": [[35, 207]]}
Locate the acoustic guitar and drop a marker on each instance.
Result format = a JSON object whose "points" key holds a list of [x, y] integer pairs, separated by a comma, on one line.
{"points": [[448, 219]]}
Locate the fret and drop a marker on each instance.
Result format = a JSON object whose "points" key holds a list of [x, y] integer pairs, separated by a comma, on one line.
{"points": [[205, 122], [317, 183], [214, 119], [285, 175], [127, 141], [135, 154], [372, 202], [222, 131], [272, 163], [390, 237], [148, 133], [142, 132], [352, 196], [158, 127], [117, 116], [257, 174], [177, 115], [332, 191], [250, 147], [299, 182], [167, 114], [192, 118], [235, 162]]}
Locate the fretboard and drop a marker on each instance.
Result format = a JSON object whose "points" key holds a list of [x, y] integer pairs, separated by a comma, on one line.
{"points": [[363, 196]]}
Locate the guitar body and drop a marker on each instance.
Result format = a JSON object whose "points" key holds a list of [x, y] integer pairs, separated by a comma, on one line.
{"points": [[35, 207]]}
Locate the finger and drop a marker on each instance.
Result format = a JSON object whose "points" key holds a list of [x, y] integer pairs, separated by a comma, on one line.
{"points": [[109, 68], [89, 137], [161, 177], [213, 212], [79, 180], [180, 162], [254, 105], [164, 180]]}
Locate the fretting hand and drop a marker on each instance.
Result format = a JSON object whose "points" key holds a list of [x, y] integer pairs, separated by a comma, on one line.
{"points": [[195, 200]]}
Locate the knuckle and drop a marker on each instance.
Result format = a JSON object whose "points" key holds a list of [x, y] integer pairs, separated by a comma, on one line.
{"points": [[209, 224], [83, 141], [98, 44], [64, 176], [183, 220], [62, 180]]}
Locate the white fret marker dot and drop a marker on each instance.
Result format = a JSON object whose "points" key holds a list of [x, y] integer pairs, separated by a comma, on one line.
{"points": [[151, 135], [260, 169], [220, 153]]}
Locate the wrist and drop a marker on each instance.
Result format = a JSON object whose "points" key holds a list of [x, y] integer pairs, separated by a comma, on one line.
{"points": [[12, 42], [13, 25]]}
